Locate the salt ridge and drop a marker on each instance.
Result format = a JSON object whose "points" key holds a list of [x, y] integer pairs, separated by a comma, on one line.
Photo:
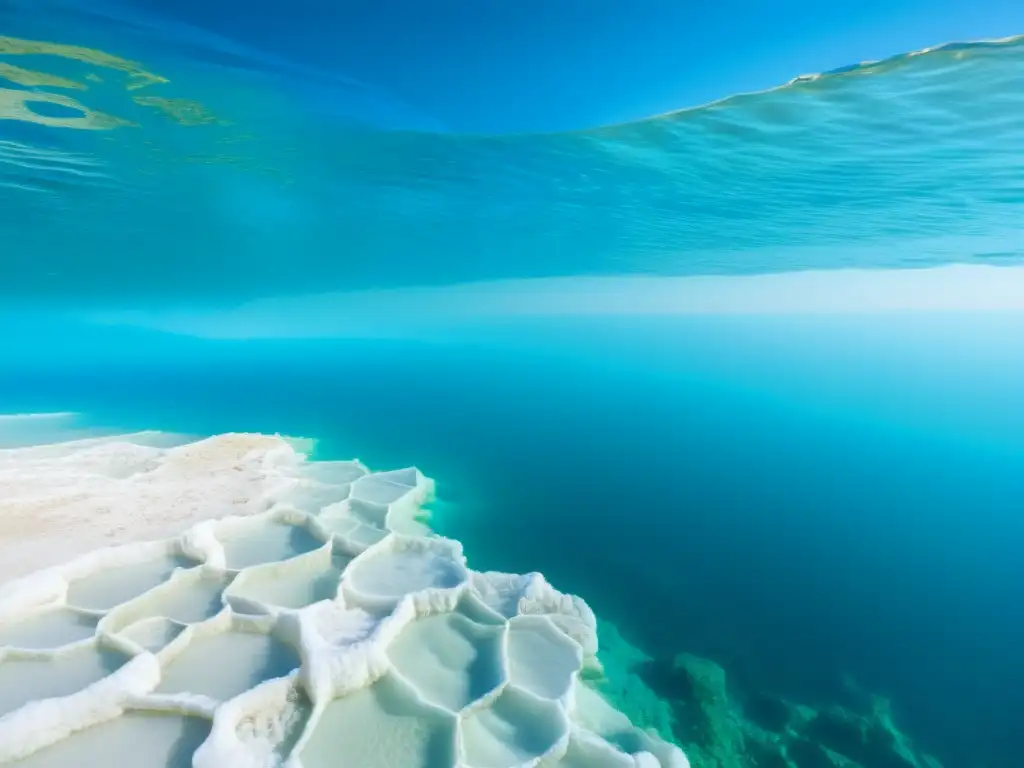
{"points": [[414, 660]]}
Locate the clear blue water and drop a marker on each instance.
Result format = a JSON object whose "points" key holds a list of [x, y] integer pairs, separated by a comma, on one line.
{"points": [[803, 499]]}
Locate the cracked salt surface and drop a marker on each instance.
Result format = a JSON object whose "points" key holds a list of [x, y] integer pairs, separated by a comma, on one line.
{"points": [[304, 617]]}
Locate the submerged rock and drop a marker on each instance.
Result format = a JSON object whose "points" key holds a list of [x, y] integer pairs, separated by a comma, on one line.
{"points": [[719, 727], [872, 740]]}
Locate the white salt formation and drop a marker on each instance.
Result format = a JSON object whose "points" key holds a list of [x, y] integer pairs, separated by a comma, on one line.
{"points": [[305, 618]]}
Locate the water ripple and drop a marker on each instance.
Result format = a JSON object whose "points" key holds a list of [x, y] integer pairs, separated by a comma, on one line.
{"points": [[911, 161]]}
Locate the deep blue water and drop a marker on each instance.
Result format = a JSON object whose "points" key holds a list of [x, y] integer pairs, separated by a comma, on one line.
{"points": [[799, 501]]}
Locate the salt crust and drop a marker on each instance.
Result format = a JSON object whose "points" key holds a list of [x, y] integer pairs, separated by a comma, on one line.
{"points": [[491, 679]]}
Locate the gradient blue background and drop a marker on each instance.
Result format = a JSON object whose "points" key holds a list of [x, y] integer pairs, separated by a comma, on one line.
{"points": [[504, 66], [295, 188]]}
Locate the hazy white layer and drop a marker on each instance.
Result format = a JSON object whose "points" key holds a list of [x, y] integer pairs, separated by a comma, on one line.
{"points": [[11, 418], [410, 311], [294, 613], [21, 429]]}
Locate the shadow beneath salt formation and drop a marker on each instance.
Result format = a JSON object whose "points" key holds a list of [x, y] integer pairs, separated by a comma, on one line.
{"points": [[325, 587], [436, 749], [279, 660], [194, 732], [485, 671], [110, 660], [295, 728], [514, 729], [300, 540]]}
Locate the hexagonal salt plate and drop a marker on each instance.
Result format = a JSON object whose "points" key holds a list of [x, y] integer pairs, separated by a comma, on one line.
{"points": [[29, 679], [153, 634], [400, 566], [589, 751], [50, 627], [109, 587], [333, 472], [155, 740], [313, 497], [383, 726], [188, 597], [265, 541], [452, 661], [514, 729], [384, 488], [223, 664], [542, 659], [292, 584]]}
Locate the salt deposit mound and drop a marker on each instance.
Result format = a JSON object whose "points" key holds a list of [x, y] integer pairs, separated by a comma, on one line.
{"points": [[305, 617]]}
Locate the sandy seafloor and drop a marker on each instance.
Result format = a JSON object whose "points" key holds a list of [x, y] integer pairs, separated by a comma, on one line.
{"points": [[829, 511]]}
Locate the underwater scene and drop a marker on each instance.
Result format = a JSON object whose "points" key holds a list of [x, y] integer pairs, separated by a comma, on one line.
{"points": [[419, 386]]}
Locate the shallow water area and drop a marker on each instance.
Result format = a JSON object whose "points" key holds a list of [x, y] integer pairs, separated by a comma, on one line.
{"points": [[452, 661], [225, 664], [389, 574], [192, 596], [146, 740], [353, 525], [541, 658], [382, 726], [267, 541], [153, 634], [384, 488], [47, 628], [293, 584], [108, 587], [25, 680], [514, 730], [334, 472], [314, 496]]}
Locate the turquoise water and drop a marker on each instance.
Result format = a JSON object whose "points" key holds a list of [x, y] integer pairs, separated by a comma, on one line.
{"points": [[804, 504], [827, 506], [284, 180]]}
